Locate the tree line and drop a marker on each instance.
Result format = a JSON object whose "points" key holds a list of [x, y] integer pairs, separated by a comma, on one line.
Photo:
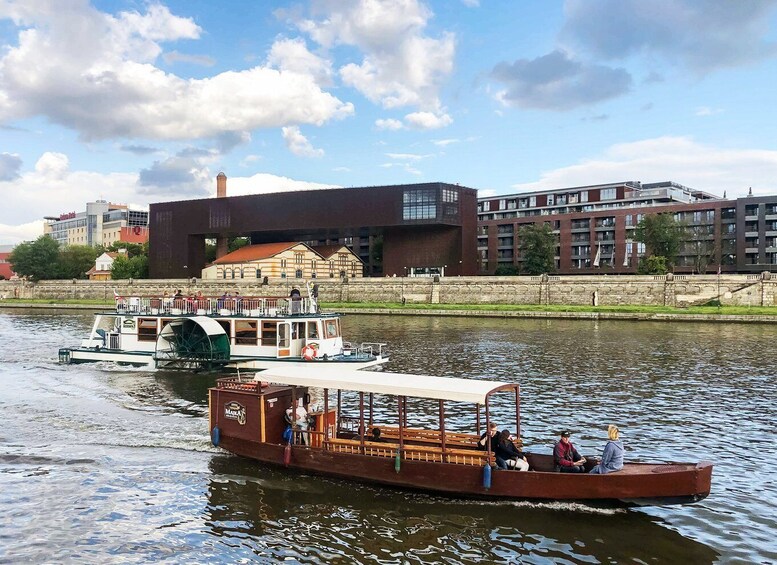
{"points": [[44, 258]]}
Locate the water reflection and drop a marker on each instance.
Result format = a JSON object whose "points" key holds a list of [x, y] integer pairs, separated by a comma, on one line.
{"points": [[277, 513]]}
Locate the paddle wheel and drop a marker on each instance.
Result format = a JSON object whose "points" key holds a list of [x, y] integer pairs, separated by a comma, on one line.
{"points": [[193, 344]]}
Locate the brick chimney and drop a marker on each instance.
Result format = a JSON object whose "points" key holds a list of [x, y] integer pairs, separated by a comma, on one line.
{"points": [[221, 185], [222, 243]]}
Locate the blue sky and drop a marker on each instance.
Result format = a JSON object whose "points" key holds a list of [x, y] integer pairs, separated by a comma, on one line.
{"points": [[140, 102]]}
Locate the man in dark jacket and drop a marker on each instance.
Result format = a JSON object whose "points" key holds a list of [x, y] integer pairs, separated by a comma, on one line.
{"points": [[566, 457], [493, 436]]}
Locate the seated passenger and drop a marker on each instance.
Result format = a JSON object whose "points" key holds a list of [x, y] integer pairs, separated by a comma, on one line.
{"points": [[493, 437], [566, 457], [376, 435], [612, 458], [510, 454]]}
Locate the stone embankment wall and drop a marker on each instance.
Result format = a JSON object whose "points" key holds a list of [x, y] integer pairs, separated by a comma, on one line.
{"points": [[669, 290]]}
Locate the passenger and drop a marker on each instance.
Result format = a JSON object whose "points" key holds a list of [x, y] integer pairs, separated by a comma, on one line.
{"points": [[566, 457], [493, 436], [510, 454], [296, 299], [299, 421], [612, 458], [178, 294], [376, 435]]}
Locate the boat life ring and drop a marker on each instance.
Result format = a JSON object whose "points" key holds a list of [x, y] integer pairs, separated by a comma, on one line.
{"points": [[136, 230], [309, 353]]}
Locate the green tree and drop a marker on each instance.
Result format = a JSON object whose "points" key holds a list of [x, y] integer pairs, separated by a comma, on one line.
{"points": [[75, 261], [506, 270], [653, 265], [37, 259], [132, 249], [537, 246], [662, 236], [130, 267], [237, 242]]}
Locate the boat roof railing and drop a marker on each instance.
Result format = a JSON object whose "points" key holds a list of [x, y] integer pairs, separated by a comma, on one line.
{"points": [[252, 306], [383, 382]]}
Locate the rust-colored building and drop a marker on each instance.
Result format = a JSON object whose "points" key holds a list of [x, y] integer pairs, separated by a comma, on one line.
{"points": [[394, 229]]}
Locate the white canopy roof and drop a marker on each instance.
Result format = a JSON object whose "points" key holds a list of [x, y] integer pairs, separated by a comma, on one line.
{"points": [[382, 382]]}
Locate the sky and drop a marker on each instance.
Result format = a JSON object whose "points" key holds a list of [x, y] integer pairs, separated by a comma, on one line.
{"points": [[143, 101]]}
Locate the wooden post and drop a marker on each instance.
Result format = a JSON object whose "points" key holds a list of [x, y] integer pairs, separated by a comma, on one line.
{"points": [[442, 428], [326, 414], [361, 421], [518, 411], [401, 427]]}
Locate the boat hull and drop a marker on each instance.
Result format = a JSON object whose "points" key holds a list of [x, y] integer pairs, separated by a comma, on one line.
{"points": [[638, 484], [73, 355]]}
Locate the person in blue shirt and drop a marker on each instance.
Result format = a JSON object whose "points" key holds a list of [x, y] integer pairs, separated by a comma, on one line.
{"points": [[612, 458]]}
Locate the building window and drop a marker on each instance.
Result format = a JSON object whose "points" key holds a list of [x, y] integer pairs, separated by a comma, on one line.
{"points": [[532, 201], [550, 200], [607, 194], [298, 257], [420, 204], [298, 273]]}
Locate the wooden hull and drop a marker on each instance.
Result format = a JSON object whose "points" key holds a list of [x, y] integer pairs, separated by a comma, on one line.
{"points": [[636, 484]]}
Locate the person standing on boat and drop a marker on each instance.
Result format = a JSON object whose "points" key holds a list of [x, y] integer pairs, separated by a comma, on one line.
{"points": [[612, 458], [300, 421], [509, 453], [566, 457]]}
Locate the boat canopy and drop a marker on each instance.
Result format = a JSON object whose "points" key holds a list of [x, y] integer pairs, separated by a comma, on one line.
{"points": [[383, 382]]}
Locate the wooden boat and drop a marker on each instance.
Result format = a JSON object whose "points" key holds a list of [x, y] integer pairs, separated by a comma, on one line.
{"points": [[229, 332], [248, 417]]}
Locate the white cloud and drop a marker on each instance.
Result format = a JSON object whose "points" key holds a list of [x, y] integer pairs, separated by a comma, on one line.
{"points": [[471, 3], [263, 183], [293, 55], [407, 167], [11, 235], [428, 120], [249, 160], [299, 144], [173, 57], [407, 156], [388, 124], [95, 73], [707, 111], [679, 159], [401, 66]]}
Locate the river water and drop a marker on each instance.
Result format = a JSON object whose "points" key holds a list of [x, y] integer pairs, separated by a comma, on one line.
{"points": [[106, 464]]}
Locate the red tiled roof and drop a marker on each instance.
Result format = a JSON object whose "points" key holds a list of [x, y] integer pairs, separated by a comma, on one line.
{"points": [[255, 252]]}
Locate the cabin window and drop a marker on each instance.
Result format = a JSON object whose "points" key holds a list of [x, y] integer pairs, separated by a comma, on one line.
{"points": [[246, 332], [312, 330], [331, 328], [146, 329], [269, 333], [299, 330]]}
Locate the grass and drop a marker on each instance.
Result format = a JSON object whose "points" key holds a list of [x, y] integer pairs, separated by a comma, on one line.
{"points": [[55, 301], [708, 310]]}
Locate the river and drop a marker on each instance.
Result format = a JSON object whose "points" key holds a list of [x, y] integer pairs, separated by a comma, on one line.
{"points": [[105, 464]]}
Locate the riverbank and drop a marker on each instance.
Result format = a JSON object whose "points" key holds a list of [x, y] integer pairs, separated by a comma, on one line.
{"points": [[728, 314]]}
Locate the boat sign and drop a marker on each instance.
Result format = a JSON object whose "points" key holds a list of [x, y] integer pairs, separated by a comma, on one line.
{"points": [[235, 411]]}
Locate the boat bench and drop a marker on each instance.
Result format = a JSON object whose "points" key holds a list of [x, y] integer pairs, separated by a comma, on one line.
{"points": [[457, 439], [409, 452]]}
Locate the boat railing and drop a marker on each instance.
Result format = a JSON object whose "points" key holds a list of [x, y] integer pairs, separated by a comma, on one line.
{"points": [[214, 306]]}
